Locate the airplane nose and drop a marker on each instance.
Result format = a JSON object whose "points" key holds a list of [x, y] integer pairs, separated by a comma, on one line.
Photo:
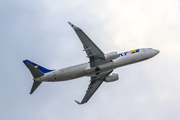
{"points": [[156, 52], [151, 53]]}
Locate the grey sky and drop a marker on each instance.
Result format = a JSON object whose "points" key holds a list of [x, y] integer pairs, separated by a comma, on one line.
{"points": [[39, 31]]}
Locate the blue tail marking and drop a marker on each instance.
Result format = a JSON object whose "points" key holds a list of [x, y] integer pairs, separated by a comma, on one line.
{"points": [[40, 68]]}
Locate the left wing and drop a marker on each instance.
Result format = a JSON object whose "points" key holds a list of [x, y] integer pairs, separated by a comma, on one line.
{"points": [[96, 81], [95, 55]]}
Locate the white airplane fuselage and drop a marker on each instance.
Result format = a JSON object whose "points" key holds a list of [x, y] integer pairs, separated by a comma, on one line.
{"points": [[84, 69]]}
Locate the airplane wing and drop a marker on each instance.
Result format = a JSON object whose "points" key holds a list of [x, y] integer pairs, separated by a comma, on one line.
{"points": [[96, 81], [93, 52], [96, 57]]}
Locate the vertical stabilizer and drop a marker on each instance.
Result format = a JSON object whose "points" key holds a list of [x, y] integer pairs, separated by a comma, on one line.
{"points": [[40, 68]]}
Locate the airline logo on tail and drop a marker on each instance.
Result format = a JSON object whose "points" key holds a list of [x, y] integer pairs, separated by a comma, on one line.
{"points": [[36, 66]]}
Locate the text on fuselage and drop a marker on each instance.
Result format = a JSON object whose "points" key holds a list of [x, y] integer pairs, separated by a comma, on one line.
{"points": [[125, 53]]}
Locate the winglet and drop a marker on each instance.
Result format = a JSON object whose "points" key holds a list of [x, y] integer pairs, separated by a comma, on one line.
{"points": [[77, 102], [73, 26]]}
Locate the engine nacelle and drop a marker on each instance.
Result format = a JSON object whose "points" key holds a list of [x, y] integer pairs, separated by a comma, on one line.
{"points": [[112, 78], [111, 56]]}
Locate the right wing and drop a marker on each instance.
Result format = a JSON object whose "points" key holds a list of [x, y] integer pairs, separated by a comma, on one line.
{"points": [[96, 81], [95, 55]]}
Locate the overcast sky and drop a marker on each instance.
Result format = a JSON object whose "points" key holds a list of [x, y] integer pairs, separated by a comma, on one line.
{"points": [[38, 31]]}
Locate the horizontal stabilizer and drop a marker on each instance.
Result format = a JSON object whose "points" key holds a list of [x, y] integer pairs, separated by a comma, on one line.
{"points": [[34, 86]]}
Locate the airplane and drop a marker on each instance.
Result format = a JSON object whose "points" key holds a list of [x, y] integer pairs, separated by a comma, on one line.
{"points": [[99, 67]]}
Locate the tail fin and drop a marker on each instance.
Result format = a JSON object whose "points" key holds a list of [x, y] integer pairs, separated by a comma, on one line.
{"points": [[40, 68], [36, 71]]}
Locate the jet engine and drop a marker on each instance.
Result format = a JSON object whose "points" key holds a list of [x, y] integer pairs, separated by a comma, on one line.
{"points": [[111, 56], [112, 78]]}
